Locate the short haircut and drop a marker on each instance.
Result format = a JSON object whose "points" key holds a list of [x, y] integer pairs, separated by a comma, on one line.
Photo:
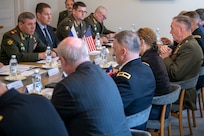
{"points": [[148, 35], [129, 39], [182, 19], [40, 6], [193, 15], [71, 54], [25, 15], [200, 11], [99, 8], [67, 0], [78, 4]]}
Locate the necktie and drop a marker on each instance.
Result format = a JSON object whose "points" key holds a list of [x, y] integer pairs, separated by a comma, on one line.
{"points": [[48, 40]]}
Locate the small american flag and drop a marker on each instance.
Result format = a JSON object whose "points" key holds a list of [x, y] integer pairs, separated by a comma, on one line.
{"points": [[89, 40]]}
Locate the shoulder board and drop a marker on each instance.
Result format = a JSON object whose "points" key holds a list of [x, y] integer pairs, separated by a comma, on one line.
{"points": [[13, 31], [197, 36], [123, 74], [1, 117], [146, 63]]}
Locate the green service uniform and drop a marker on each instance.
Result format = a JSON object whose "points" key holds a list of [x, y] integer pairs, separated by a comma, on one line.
{"points": [[96, 27], [64, 28], [63, 15], [25, 47], [183, 64]]}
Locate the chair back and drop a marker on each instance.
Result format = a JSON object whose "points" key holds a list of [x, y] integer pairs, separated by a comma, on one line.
{"points": [[168, 98], [189, 83], [136, 132], [138, 118]]}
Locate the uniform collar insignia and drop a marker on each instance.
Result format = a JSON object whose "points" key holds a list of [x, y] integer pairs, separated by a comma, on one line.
{"points": [[22, 36]]}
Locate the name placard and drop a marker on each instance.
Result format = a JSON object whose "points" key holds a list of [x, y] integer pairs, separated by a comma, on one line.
{"points": [[29, 88], [17, 84], [53, 71]]}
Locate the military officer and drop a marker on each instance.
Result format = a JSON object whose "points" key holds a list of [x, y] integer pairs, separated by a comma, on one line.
{"points": [[135, 80], [22, 41], [95, 21], [75, 20], [184, 62], [65, 13]]}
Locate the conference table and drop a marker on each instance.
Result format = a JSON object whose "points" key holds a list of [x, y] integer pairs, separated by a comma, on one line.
{"points": [[45, 78]]}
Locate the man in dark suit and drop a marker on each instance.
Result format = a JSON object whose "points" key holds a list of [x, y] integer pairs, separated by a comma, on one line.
{"points": [[43, 29], [87, 100], [65, 13], [28, 115], [135, 80]]}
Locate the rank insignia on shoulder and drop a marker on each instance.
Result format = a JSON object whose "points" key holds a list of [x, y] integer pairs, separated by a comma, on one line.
{"points": [[9, 41], [196, 36], [13, 31], [1, 117], [123, 74], [146, 63]]}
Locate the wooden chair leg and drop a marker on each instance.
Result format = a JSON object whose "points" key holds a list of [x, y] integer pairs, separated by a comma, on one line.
{"points": [[181, 124], [189, 122], [169, 130], [202, 95], [194, 118], [200, 106]]}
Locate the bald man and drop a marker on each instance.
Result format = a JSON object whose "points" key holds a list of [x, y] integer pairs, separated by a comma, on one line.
{"points": [[87, 100], [95, 22]]}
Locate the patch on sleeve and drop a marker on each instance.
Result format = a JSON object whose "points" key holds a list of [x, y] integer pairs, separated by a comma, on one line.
{"points": [[10, 41], [1, 117], [123, 74]]}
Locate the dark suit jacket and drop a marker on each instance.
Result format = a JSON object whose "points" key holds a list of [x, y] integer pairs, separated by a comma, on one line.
{"points": [[29, 115], [159, 70], [90, 104], [41, 36], [136, 84], [199, 36]]}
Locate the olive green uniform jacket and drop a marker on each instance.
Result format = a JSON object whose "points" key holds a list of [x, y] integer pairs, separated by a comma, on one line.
{"points": [[64, 28], [183, 64], [63, 15], [96, 26], [25, 47]]}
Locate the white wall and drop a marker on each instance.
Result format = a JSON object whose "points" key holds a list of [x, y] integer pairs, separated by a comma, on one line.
{"points": [[143, 13], [123, 13]]}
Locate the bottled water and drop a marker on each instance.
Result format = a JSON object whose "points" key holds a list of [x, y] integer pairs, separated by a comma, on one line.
{"points": [[158, 36], [119, 29], [97, 41], [36, 79], [48, 56], [13, 66], [104, 56], [133, 28]]}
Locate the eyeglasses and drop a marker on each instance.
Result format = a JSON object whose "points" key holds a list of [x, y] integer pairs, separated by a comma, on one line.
{"points": [[104, 16], [81, 11]]}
